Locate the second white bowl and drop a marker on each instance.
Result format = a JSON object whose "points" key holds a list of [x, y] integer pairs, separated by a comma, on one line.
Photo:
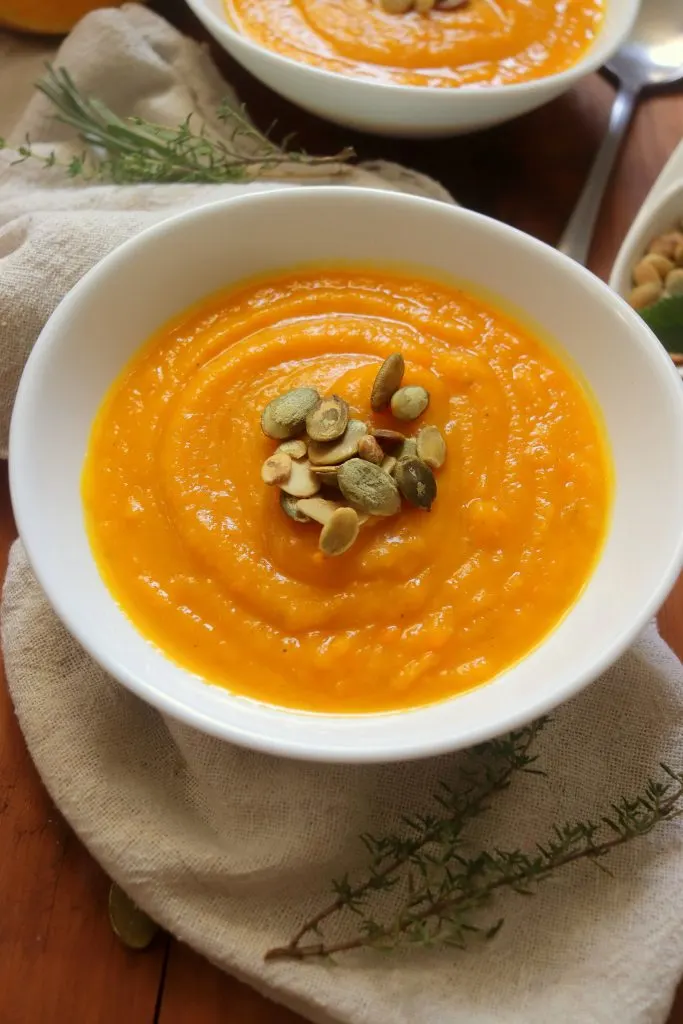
{"points": [[405, 110], [665, 215]]}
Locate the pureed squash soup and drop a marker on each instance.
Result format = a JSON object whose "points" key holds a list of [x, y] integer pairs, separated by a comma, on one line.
{"points": [[482, 42], [200, 555]]}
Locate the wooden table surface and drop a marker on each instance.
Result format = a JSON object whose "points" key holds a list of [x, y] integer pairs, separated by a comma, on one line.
{"points": [[59, 961]]}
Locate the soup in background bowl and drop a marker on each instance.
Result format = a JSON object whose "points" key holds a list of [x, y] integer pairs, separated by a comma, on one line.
{"points": [[475, 43], [495, 279], [345, 67]]}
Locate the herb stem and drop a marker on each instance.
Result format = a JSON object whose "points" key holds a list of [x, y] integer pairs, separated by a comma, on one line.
{"points": [[464, 902], [472, 808], [444, 889], [132, 150]]}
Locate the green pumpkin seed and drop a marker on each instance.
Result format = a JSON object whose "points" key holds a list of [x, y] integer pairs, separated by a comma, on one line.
{"points": [[369, 488], [327, 475], [289, 505], [370, 450], [295, 449], [408, 449], [416, 482], [328, 421], [132, 926], [331, 453], [301, 483], [319, 509], [387, 381], [276, 469], [389, 439], [409, 403], [396, 6], [285, 416], [339, 533], [431, 447]]}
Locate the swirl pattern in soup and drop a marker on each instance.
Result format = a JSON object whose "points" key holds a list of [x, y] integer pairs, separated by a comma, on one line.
{"points": [[198, 553], [485, 42]]}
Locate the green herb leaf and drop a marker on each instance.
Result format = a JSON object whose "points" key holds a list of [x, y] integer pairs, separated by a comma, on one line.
{"points": [[665, 319], [443, 891]]}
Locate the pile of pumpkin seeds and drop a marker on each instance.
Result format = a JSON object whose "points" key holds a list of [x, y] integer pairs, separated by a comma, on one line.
{"points": [[337, 471], [660, 272], [421, 6]]}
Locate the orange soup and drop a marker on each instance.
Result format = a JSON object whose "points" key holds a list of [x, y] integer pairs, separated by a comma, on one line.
{"points": [[426, 604], [484, 42]]}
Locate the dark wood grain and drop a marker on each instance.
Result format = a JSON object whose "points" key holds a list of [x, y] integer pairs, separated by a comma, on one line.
{"points": [[59, 963], [198, 993]]}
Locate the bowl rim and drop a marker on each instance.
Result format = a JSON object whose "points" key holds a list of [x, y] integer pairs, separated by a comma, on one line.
{"points": [[311, 747], [632, 248], [593, 59]]}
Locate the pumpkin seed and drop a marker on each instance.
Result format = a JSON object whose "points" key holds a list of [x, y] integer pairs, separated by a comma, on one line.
{"points": [[431, 447], [131, 925], [645, 271], [661, 264], [389, 464], [331, 453], [387, 381], [416, 482], [285, 416], [301, 483], [369, 449], [408, 449], [396, 6], [389, 439], [666, 245], [369, 488], [328, 421], [327, 475], [289, 505], [276, 469], [318, 509], [409, 403], [295, 449], [645, 294], [339, 533], [674, 282]]}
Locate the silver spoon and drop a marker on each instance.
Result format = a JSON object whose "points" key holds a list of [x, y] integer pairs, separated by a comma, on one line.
{"points": [[651, 56]]}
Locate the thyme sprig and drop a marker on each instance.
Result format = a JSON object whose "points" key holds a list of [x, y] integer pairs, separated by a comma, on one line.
{"points": [[134, 151], [443, 891]]}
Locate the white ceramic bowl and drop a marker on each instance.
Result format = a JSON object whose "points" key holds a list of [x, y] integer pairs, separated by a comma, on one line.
{"points": [[119, 303], [665, 215], [404, 110]]}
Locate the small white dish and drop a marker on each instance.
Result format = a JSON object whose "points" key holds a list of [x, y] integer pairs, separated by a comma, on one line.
{"points": [[661, 211], [130, 293], [405, 110]]}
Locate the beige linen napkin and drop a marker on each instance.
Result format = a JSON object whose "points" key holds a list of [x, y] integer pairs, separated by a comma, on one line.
{"points": [[231, 850]]}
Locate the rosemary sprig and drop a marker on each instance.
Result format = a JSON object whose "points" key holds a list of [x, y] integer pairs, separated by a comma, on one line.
{"points": [[133, 151], [443, 889]]}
